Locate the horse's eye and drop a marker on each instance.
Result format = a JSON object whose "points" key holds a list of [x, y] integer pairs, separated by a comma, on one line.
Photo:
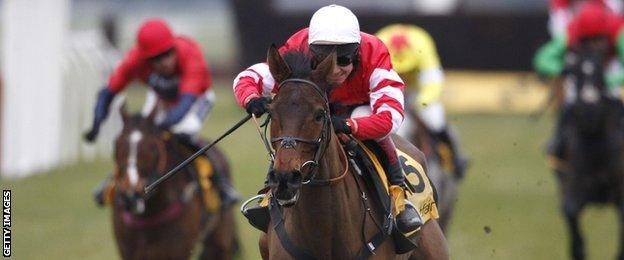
{"points": [[319, 116]]}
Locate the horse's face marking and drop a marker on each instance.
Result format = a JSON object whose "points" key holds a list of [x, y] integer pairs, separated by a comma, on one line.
{"points": [[140, 155], [132, 171]]}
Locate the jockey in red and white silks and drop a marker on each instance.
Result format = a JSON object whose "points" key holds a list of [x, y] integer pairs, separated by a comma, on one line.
{"points": [[365, 82], [175, 70]]}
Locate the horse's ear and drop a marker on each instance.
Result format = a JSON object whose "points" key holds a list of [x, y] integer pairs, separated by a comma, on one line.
{"points": [[324, 68], [150, 118], [123, 112], [278, 67]]}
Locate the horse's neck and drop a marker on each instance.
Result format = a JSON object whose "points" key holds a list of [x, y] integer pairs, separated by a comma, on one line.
{"points": [[325, 212]]}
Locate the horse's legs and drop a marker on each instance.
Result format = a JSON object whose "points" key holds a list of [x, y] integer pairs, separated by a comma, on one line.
{"points": [[572, 209]]}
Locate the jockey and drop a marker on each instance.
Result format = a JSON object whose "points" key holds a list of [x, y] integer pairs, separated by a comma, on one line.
{"points": [[179, 80], [597, 24], [367, 88], [563, 11], [415, 58]]}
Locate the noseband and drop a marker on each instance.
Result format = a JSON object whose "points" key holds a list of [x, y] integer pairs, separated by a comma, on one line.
{"points": [[290, 142]]}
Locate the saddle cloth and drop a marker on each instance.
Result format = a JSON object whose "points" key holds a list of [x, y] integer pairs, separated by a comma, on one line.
{"points": [[421, 192], [209, 192]]}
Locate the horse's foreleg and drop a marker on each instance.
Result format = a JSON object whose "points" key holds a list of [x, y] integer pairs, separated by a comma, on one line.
{"points": [[431, 243], [572, 210]]}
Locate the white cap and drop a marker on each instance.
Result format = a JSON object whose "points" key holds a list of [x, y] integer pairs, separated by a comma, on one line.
{"points": [[333, 24]]}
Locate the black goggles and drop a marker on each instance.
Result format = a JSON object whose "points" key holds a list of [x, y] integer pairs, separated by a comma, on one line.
{"points": [[346, 53]]}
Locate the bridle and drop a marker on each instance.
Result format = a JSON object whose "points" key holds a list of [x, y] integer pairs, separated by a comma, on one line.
{"points": [[162, 159], [321, 143]]}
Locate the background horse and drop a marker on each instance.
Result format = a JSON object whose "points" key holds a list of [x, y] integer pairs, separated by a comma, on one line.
{"points": [[439, 167], [169, 223], [592, 154], [332, 219]]}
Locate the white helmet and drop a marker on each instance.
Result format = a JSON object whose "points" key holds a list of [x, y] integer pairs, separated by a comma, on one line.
{"points": [[333, 24]]}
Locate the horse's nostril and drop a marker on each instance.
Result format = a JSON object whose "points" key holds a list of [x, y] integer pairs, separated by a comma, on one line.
{"points": [[296, 176], [294, 179], [272, 176]]}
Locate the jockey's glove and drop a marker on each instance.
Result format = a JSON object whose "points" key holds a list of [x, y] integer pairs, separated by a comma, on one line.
{"points": [[258, 106], [91, 135], [340, 125]]}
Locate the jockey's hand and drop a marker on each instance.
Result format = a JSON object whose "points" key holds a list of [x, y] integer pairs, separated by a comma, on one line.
{"points": [[340, 125], [105, 96], [91, 135], [258, 106]]}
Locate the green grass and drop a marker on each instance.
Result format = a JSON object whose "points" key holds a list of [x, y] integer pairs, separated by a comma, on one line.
{"points": [[508, 188]]}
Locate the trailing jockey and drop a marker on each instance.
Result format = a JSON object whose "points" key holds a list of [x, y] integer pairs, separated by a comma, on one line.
{"points": [[178, 77], [415, 58]]}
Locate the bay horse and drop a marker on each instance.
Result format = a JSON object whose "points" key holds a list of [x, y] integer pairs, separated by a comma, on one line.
{"points": [[591, 121], [439, 168], [173, 220], [323, 210]]}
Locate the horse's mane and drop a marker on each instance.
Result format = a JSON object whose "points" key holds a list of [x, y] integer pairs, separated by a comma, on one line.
{"points": [[299, 62]]}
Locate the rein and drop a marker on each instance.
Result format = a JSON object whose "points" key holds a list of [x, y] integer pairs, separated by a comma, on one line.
{"points": [[186, 162]]}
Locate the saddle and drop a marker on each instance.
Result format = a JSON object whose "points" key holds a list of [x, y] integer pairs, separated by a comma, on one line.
{"points": [[367, 160]]}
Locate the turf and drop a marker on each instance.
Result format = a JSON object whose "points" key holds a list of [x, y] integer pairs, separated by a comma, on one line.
{"points": [[508, 206]]}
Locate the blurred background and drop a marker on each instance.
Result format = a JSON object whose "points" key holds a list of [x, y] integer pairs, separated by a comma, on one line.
{"points": [[56, 54]]}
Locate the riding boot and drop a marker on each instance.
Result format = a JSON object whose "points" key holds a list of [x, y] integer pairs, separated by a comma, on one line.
{"points": [[460, 161], [227, 192], [407, 217], [103, 192]]}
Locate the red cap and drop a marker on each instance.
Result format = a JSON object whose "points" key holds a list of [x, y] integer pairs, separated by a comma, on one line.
{"points": [[154, 37], [594, 19]]}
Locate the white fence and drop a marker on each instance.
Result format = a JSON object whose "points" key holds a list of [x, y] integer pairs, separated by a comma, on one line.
{"points": [[50, 80]]}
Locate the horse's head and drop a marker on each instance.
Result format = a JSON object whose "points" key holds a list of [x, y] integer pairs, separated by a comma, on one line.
{"points": [[300, 126], [591, 106], [140, 156]]}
